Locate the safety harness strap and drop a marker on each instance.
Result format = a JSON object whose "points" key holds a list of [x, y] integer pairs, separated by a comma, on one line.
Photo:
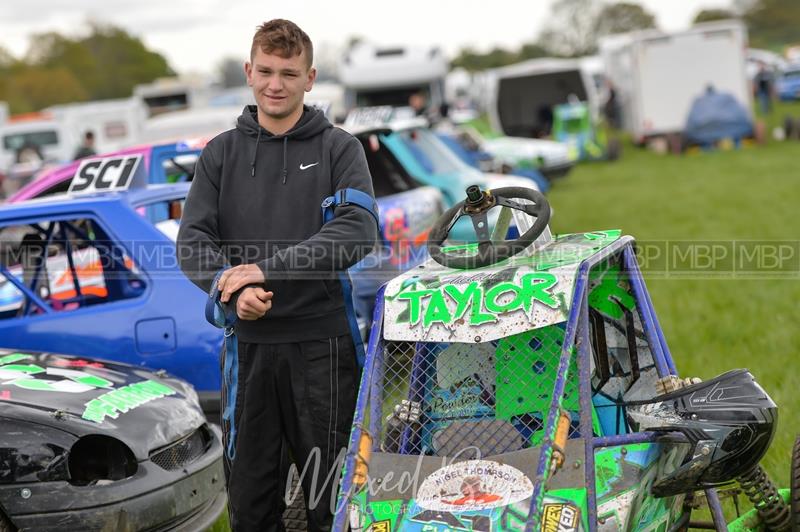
{"points": [[225, 317], [350, 196]]}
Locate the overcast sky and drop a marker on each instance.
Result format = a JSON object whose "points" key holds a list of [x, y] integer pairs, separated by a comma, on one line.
{"points": [[195, 35]]}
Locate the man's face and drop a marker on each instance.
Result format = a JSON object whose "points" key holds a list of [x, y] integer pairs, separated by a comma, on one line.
{"points": [[279, 83]]}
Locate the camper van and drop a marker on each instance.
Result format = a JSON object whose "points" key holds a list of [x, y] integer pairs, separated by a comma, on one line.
{"points": [[374, 76], [658, 75], [166, 95], [521, 97]]}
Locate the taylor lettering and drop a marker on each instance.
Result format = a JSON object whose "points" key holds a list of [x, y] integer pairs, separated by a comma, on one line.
{"points": [[477, 305]]}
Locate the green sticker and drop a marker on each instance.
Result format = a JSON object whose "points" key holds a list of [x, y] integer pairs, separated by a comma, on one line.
{"points": [[13, 357], [28, 369], [114, 403], [35, 384], [433, 306], [94, 381], [610, 296]]}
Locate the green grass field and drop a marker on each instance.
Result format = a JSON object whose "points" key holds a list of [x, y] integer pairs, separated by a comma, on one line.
{"points": [[712, 324]]}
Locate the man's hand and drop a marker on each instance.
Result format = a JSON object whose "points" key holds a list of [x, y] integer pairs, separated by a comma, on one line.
{"points": [[235, 278], [253, 303]]}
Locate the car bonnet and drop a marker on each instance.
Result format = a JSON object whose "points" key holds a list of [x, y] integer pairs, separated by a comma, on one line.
{"points": [[82, 396]]}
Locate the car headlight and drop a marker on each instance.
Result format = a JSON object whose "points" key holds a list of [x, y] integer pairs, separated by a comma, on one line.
{"points": [[32, 453], [97, 458]]}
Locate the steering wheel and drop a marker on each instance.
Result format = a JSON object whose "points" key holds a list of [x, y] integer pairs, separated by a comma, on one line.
{"points": [[476, 206]]}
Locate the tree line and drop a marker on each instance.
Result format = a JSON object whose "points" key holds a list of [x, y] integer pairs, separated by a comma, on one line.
{"points": [[108, 62], [574, 28]]}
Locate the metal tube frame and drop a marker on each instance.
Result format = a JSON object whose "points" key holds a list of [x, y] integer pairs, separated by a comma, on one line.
{"points": [[365, 389]]}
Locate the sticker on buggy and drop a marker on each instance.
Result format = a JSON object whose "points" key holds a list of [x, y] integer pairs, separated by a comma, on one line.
{"points": [[560, 518], [433, 303], [473, 485], [380, 526], [477, 305], [452, 311]]}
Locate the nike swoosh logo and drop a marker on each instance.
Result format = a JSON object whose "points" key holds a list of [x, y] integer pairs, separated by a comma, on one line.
{"points": [[305, 166]]}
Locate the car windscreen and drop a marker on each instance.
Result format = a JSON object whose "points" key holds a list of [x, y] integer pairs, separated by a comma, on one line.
{"points": [[431, 152], [16, 141]]}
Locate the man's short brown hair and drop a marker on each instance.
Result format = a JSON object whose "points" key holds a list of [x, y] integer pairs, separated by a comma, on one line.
{"points": [[284, 38]]}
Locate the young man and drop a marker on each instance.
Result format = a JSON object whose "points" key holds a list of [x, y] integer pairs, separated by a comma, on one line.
{"points": [[255, 204]]}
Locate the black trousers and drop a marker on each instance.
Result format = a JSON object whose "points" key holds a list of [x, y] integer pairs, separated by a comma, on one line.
{"points": [[303, 394]]}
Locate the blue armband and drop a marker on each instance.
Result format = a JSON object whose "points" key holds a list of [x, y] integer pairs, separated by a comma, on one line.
{"points": [[349, 196]]}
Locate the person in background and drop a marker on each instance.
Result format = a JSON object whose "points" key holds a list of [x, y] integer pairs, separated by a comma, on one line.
{"points": [[418, 103], [764, 87], [86, 148], [611, 106]]}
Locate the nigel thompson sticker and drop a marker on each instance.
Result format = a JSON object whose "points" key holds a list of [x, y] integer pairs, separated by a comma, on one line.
{"points": [[473, 485]]}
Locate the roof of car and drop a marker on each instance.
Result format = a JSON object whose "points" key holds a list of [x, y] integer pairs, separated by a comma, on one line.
{"points": [[66, 202]]}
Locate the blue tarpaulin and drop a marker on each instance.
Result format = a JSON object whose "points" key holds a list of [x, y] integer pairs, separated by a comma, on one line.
{"points": [[715, 116]]}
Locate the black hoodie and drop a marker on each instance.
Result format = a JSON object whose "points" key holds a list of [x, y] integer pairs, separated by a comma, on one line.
{"points": [[255, 198]]}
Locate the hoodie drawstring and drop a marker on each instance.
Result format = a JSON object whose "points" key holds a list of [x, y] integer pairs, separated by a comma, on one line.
{"points": [[255, 154], [285, 140]]}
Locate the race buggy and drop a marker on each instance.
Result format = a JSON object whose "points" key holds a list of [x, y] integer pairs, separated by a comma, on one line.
{"points": [[573, 125], [526, 385]]}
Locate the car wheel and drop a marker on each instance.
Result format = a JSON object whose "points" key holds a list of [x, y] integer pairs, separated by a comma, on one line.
{"points": [[788, 126], [5, 523], [794, 484], [614, 149], [294, 516]]}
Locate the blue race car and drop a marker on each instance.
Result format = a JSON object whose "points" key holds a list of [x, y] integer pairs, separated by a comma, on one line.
{"points": [[788, 84], [98, 273], [406, 154]]}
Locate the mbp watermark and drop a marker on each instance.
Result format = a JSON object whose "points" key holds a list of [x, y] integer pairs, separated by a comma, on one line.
{"points": [[723, 259]]}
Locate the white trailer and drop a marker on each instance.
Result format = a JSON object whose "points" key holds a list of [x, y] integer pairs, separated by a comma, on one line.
{"points": [[374, 76], [658, 75], [58, 131], [521, 96]]}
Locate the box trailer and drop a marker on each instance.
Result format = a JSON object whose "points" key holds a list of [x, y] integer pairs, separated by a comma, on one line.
{"points": [[658, 75], [521, 97]]}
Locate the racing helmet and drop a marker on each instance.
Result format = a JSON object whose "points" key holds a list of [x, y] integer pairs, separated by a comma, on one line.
{"points": [[728, 422]]}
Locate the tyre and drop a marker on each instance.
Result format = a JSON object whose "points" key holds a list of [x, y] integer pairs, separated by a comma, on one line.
{"points": [[788, 127], [794, 485], [614, 149], [5, 523], [294, 516]]}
